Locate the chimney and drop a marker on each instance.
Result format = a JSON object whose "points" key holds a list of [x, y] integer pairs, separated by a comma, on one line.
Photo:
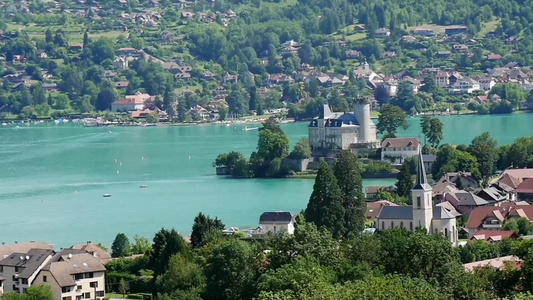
{"points": [[89, 242]]}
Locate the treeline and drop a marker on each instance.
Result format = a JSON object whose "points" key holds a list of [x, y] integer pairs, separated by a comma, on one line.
{"points": [[311, 264], [270, 158]]}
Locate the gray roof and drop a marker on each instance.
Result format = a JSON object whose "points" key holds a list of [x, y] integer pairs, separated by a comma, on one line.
{"points": [[276, 217], [30, 261], [63, 267], [396, 212], [469, 199], [440, 212], [421, 180]]}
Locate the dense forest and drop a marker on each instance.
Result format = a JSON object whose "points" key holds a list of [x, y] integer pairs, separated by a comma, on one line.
{"points": [[250, 43]]}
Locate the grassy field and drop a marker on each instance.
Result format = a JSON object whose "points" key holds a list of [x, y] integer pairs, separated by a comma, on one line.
{"points": [[350, 34], [487, 27], [190, 87]]}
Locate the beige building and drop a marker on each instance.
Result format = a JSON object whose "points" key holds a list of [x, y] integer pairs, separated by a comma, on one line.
{"points": [[398, 149], [73, 275], [94, 250], [422, 214], [344, 130]]}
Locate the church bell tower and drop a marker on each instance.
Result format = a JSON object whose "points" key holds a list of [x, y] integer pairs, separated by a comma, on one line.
{"points": [[421, 195]]}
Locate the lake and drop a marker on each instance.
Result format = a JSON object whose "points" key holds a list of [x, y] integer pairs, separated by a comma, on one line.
{"points": [[53, 176]]}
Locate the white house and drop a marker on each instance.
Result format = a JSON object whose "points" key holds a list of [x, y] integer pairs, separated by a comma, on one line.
{"points": [[131, 102], [275, 222], [464, 86], [398, 149], [422, 214], [486, 83], [442, 79]]}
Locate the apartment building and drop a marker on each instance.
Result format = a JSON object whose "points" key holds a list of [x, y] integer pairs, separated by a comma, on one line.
{"points": [[19, 269], [74, 275]]}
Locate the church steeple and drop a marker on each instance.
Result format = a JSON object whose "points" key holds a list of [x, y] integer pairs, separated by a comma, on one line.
{"points": [[421, 180]]}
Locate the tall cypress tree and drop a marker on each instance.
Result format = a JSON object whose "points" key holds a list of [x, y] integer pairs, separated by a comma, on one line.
{"points": [[325, 205], [405, 181], [348, 173]]}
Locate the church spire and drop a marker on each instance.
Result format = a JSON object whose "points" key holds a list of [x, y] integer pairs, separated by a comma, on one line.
{"points": [[421, 180]]}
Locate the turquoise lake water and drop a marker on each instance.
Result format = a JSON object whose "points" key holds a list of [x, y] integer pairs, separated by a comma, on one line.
{"points": [[53, 176]]}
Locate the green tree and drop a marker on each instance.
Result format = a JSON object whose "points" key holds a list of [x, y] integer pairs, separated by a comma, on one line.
{"points": [[122, 287], [48, 36], [484, 149], [104, 99], [272, 145], [405, 182], [202, 227], [524, 227], [165, 244], [121, 246], [511, 225], [347, 171], [182, 274], [435, 132], [62, 102], [425, 125], [302, 149], [391, 117], [152, 118], [325, 207], [230, 270], [450, 159], [141, 245]]}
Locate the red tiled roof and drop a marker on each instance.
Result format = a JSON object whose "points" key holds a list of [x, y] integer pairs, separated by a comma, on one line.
{"points": [[526, 186], [479, 214], [493, 235]]}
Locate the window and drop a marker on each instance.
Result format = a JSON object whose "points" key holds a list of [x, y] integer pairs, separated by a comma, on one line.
{"points": [[100, 294], [16, 269], [401, 224], [411, 226], [89, 275], [24, 290], [88, 295], [418, 201], [94, 284], [65, 289], [45, 279], [391, 224], [382, 225], [79, 287], [24, 280], [78, 276], [446, 232], [67, 298]]}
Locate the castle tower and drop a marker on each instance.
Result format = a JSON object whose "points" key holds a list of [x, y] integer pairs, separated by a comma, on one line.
{"points": [[361, 109], [421, 195]]}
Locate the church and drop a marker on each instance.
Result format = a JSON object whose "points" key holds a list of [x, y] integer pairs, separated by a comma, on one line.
{"points": [[346, 131], [422, 214]]}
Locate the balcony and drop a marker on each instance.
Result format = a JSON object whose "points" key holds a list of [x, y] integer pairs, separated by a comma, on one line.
{"points": [[492, 225]]}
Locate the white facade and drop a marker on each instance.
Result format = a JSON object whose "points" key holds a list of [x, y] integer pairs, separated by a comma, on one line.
{"points": [[276, 222], [343, 130], [422, 214], [398, 149], [86, 285], [274, 228], [465, 86]]}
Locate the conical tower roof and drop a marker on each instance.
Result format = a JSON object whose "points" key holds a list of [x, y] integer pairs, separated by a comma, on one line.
{"points": [[421, 179]]}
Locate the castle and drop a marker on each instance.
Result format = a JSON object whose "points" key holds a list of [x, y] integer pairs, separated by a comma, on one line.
{"points": [[346, 131], [422, 214]]}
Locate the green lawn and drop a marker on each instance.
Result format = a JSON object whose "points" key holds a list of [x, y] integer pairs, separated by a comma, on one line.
{"points": [[487, 27], [190, 87]]}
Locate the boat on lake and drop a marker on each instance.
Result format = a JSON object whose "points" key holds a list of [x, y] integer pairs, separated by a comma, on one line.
{"points": [[253, 128], [107, 195], [143, 186]]}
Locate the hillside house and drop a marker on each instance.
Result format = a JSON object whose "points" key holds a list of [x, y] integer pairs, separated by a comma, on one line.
{"points": [[131, 102], [277, 222], [382, 33], [398, 149]]}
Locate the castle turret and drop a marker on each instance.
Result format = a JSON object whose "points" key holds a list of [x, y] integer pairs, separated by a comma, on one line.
{"points": [[361, 109]]}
